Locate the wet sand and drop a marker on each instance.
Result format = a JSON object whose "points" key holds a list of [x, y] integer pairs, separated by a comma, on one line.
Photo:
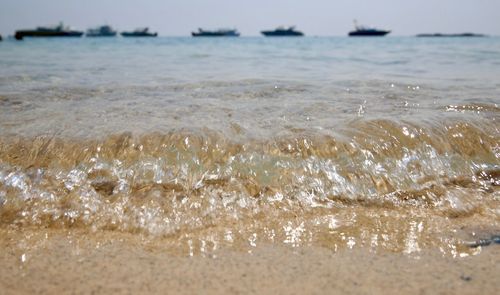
{"points": [[69, 263]]}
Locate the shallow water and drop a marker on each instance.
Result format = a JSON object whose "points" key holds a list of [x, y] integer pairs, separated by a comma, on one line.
{"points": [[386, 143]]}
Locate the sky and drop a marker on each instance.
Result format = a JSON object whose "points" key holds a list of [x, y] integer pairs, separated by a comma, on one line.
{"points": [[313, 17]]}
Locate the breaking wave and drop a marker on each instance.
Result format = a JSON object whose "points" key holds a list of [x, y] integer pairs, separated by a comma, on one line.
{"points": [[378, 183]]}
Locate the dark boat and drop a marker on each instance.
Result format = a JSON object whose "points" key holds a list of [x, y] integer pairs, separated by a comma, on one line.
{"points": [[367, 31], [283, 32], [217, 33], [140, 32], [55, 31], [102, 31], [451, 35], [0, 37]]}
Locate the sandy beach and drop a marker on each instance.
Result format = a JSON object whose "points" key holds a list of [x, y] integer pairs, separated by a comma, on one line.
{"points": [[72, 263]]}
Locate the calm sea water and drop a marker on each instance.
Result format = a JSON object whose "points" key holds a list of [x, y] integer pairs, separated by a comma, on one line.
{"points": [[234, 142]]}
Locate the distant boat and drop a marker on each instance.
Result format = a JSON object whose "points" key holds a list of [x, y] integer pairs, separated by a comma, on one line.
{"points": [[0, 37], [283, 32], [367, 31], [140, 32], [451, 35], [102, 31], [55, 31], [217, 33]]}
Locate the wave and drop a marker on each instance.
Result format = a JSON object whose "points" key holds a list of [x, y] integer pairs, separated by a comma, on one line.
{"points": [[396, 183]]}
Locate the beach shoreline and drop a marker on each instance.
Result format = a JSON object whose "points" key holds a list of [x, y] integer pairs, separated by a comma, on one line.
{"points": [[252, 166]]}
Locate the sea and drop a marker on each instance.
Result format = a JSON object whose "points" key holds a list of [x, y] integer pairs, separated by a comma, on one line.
{"points": [[390, 144]]}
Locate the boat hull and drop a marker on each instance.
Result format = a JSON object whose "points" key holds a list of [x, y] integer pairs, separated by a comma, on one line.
{"points": [[214, 34], [101, 35], [46, 34], [368, 33], [282, 34], [126, 34]]}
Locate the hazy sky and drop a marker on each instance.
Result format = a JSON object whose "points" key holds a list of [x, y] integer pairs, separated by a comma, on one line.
{"points": [[314, 17]]}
